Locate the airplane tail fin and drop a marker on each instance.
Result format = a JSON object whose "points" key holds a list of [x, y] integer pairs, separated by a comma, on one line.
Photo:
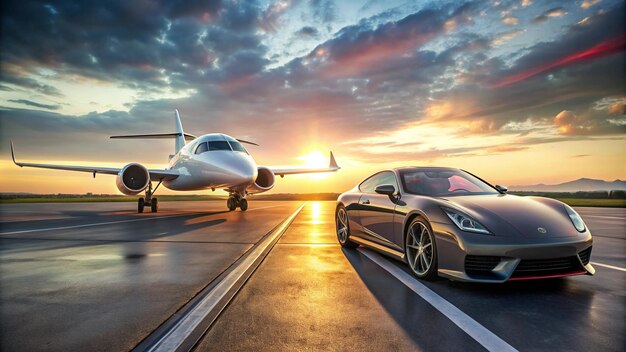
{"points": [[180, 137], [179, 143]]}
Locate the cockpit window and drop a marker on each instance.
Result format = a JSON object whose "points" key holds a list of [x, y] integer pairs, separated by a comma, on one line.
{"points": [[202, 147], [238, 147], [218, 145]]}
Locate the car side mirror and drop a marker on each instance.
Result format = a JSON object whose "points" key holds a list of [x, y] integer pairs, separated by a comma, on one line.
{"points": [[385, 189], [502, 189]]}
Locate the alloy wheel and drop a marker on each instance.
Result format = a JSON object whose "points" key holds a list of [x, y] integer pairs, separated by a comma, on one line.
{"points": [[419, 248]]}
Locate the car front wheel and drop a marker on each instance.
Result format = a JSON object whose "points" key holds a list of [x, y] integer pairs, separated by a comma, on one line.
{"points": [[421, 250]]}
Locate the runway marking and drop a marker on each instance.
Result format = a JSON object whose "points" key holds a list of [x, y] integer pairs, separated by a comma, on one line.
{"points": [[604, 217], [185, 327], [119, 222], [478, 332], [608, 266]]}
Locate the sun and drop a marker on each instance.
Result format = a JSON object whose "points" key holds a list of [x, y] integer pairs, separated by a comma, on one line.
{"points": [[315, 159]]}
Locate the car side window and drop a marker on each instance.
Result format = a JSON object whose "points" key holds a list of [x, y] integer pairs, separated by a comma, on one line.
{"points": [[382, 178], [201, 148], [388, 178]]}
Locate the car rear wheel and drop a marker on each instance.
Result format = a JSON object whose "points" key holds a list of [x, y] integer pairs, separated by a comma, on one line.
{"points": [[343, 229], [420, 250]]}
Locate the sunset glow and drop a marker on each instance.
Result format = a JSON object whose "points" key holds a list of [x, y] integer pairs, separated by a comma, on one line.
{"points": [[518, 92]]}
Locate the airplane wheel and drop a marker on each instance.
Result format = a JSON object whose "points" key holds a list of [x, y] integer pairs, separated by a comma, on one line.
{"points": [[140, 204], [243, 204], [154, 205], [231, 204]]}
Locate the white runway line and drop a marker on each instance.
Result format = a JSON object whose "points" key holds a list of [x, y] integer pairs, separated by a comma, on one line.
{"points": [[608, 266], [119, 222], [478, 332], [604, 217], [177, 335]]}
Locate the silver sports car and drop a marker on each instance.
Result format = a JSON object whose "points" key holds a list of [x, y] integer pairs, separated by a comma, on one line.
{"points": [[447, 222]]}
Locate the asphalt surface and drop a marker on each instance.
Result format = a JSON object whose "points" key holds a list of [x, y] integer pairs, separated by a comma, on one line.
{"points": [[97, 276], [109, 276]]}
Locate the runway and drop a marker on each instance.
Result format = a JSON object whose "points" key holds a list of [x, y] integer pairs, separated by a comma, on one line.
{"points": [[98, 276]]}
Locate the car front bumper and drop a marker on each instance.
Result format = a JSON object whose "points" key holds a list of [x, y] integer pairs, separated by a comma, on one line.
{"points": [[472, 257]]}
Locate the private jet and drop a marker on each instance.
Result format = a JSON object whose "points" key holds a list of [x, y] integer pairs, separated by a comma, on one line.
{"points": [[211, 161]]}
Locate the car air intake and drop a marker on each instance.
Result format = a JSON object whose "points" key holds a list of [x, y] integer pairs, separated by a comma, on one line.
{"points": [[480, 264], [585, 256], [546, 267]]}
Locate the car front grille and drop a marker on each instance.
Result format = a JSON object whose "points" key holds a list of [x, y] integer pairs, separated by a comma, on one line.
{"points": [[585, 256], [480, 264], [546, 267]]}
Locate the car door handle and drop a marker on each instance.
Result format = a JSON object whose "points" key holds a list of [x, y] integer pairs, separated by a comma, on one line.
{"points": [[367, 201]]}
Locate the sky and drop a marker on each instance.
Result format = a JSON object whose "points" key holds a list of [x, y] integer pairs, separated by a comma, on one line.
{"points": [[518, 92]]}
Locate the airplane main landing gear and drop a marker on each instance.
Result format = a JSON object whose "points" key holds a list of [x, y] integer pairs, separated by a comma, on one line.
{"points": [[150, 201], [233, 202]]}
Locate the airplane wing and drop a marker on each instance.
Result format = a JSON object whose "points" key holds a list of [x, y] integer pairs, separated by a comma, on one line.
{"points": [[332, 167], [155, 175], [188, 137]]}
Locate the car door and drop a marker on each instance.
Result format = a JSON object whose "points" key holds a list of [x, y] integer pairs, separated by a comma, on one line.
{"points": [[376, 211]]}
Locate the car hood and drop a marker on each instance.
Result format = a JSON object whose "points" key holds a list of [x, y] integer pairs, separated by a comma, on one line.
{"points": [[524, 214]]}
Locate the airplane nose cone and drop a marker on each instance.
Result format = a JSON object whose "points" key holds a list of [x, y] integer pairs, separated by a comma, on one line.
{"points": [[241, 170]]}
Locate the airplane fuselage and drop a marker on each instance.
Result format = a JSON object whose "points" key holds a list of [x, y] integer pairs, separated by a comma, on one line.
{"points": [[224, 163]]}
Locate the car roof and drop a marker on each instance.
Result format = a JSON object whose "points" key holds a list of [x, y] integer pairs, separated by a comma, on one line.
{"points": [[423, 168]]}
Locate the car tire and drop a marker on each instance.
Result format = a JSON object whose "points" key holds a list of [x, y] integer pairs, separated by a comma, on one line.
{"points": [[342, 226], [420, 249]]}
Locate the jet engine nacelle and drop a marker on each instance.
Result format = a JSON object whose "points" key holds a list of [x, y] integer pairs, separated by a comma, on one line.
{"points": [[132, 179], [264, 181]]}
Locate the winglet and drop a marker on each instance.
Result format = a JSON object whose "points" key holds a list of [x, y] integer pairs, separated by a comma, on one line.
{"points": [[333, 162], [13, 155]]}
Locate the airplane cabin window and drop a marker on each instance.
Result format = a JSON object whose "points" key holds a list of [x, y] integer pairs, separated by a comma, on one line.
{"points": [[202, 147], [218, 145]]}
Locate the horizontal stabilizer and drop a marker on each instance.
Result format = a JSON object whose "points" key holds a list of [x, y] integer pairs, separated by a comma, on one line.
{"points": [[247, 142], [188, 136]]}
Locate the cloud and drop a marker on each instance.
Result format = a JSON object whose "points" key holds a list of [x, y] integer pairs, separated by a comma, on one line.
{"points": [[323, 10], [551, 13], [36, 104], [504, 37], [307, 32], [437, 66], [588, 3], [510, 20]]}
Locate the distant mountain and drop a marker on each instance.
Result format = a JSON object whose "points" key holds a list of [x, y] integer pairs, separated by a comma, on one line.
{"points": [[582, 185]]}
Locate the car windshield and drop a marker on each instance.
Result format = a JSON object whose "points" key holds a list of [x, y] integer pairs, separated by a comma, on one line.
{"points": [[444, 183]]}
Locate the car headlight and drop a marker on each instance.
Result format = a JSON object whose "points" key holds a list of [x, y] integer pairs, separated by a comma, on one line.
{"points": [[465, 222], [578, 222]]}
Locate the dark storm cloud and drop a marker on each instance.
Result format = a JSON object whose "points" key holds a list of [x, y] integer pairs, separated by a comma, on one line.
{"points": [[553, 12], [307, 32], [141, 43], [545, 81], [36, 104], [375, 75]]}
